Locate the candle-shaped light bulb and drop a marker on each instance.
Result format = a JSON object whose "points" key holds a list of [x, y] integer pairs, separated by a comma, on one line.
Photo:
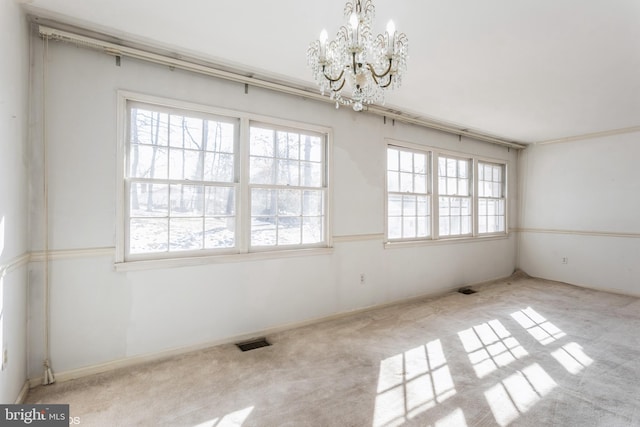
{"points": [[323, 45], [353, 23], [391, 28], [391, 33]]}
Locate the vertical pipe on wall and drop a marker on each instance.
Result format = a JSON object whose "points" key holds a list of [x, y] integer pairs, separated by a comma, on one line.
{"points": [[48, 377]]}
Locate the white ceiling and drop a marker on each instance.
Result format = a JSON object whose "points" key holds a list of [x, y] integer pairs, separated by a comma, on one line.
{"points": [[525, 70]]}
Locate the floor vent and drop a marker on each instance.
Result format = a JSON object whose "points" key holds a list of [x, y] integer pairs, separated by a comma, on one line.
{"points": [[467, 291], [253, 344]]}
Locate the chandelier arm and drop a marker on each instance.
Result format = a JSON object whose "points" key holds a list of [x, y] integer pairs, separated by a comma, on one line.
{"points": [[337, 79], [383, 74], [388, 84], [340, 88]]}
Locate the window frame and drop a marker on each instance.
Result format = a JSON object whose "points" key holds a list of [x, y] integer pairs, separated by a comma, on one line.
{"points": [[504, 185], [435, 153], [242, 250], [428, 190]]}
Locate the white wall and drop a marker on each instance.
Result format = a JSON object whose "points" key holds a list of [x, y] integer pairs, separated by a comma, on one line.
{"points": [[581, 201], [14, 72], [99, 315]]}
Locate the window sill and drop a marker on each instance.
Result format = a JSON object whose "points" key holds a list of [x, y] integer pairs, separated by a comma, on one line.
{"points": [[444, 241], [150, 264]]}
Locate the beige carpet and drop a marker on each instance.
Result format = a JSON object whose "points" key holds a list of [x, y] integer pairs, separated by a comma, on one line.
{"points": [[521, 352]]}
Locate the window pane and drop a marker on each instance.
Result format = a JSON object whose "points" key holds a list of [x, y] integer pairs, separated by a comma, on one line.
{"points": [[288, 145], [148, 162], [420, 185], [312, 230], [185, 164], [463, 187], [409, 227], [263, 231], [219, 167], [423, 206], [262, 170], [149, 200], [186, 234], [420, 163], [219, 232], [312, 203], [311, 174], [394, 205], [444, 226], [393, 159], [406, 182], [442, 166], [219, 201], [289, 231], [148, 235], [406, 161], [442, 186], [149, 127], [451, 167], [466, 225], [311, 148], [186, 200], [452, 186], [288, 172], [482, 224], [409, 206], [263, 202], [289, 203], [185, 132], [395, 227], [261, 142], [482, 206], [463, 168], [393, 181], [455, 224], [220, 137]]}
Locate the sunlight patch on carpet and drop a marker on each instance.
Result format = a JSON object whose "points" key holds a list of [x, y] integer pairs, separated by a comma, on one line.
{"points": [[232, 419], [490, 346], [572, 358], [518, 393], [410, 383], [539, 327]]}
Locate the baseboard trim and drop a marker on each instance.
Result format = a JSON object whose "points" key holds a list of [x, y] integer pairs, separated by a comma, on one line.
{"points": [[158, 356], [614, 291], [22, 396]]}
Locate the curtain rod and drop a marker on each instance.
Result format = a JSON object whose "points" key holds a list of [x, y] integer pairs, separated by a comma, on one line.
{"points": [[191, 64]]}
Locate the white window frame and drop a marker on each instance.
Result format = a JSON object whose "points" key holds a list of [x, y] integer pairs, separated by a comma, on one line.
{"points": [[438, 195], [504, 198], [428, 189], [435, 154], [242, 250]]}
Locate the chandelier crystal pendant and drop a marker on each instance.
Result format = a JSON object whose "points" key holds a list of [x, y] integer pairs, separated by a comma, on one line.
{"points": [[357, 60]]}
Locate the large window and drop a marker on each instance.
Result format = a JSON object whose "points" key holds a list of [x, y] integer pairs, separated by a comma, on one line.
{"points": [[454, 196], [181, 181], [408, 195], [459, 197], [491, 198], [287, 181], [188, 191]]}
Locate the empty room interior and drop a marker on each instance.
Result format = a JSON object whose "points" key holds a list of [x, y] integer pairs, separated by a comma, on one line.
{"points": [[220, 214]]}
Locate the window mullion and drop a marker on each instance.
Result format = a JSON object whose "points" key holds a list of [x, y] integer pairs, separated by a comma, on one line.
{"points": [[474, 203], [243, 199], [436, 196]]}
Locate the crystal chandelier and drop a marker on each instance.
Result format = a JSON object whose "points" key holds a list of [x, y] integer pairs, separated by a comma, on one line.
{"points": [[357, 59]]}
